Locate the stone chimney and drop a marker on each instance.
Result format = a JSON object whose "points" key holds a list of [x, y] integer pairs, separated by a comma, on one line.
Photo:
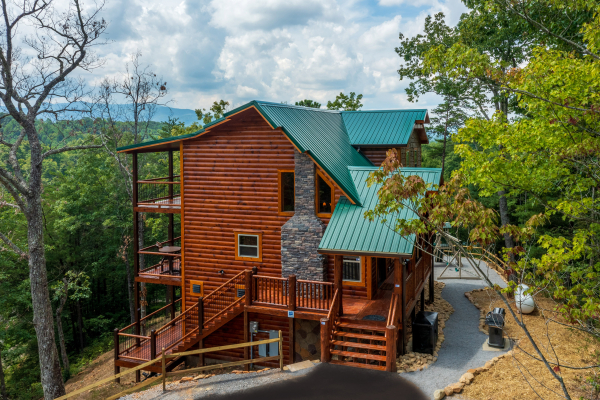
{"points": [[301, 234]]}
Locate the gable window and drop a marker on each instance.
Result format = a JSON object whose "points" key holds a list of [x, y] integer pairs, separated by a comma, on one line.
{"points": [[286, 192], [325, 196], [248, 246], [352, 269]]}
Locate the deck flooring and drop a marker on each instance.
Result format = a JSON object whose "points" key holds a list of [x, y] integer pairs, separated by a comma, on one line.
{"points": [[357, 309]]}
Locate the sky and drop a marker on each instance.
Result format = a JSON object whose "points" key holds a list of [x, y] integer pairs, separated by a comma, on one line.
{"points": [[273, 50]]}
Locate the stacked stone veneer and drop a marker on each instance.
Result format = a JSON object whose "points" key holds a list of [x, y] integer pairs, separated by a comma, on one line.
{"points": [[307, 340], [301, 234]]}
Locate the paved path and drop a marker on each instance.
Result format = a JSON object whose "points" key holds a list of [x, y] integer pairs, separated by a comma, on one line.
{"points": [[462, 348]]}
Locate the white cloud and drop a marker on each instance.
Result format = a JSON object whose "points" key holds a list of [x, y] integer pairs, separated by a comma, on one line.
{"points": [[277, 50]]}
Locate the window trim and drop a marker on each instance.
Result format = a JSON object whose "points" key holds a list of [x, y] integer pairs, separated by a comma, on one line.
{"points": [[332, 186], [280, 192], [363, 273], [192, 283], [237, 241]]}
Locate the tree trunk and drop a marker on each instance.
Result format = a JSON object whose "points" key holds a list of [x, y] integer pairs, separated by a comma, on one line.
{"points": [[3, 393], [61, 335], [505, 220], [80, 326], [51, 376], [444, 153]]}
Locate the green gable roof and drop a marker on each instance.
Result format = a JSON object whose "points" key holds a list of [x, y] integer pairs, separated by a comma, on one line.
{"points": [[327, 136], [349, 231], [380, 128]]}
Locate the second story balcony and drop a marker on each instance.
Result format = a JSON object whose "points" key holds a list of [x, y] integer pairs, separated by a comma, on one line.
{"points": [[161, 195]]}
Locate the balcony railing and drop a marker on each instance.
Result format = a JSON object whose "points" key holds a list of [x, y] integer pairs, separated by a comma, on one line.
{"points": [[161, 263], [292, 293], [159, 193]]}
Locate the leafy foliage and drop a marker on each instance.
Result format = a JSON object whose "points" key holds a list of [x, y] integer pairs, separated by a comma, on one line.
{"points": [[345, 102], [308, 103]]}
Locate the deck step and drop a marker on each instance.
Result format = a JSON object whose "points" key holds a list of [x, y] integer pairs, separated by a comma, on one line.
{"points": [[357, 345], [357, 355], [359, 335], [354, 325], [358, 365]]}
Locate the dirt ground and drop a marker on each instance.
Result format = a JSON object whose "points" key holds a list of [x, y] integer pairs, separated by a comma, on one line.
{"points": [[102, 367], [523, 377]]}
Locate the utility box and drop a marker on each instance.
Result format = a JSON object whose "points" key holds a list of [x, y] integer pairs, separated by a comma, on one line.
{"points": [[495, 322], [425, 332], [253, 327], [272, 349]]}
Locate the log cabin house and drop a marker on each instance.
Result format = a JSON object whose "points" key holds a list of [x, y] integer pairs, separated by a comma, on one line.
{"points": [[272, 199]]}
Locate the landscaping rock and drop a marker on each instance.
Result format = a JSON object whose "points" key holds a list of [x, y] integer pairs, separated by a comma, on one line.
{"points": [[439, 394], [457, 387], [467, 378], [449, 391]]}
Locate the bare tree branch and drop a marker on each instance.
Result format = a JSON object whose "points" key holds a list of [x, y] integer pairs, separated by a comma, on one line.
{"points": [[13, 246], [69, 148]]}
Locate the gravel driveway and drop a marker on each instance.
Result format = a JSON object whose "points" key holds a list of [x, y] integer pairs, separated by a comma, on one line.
{"points": [[321, 382], [462, 349]]}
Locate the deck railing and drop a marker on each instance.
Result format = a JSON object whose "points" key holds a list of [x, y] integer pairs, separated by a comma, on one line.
{"points": [[291, 293], [132, 341], [222, 298], [161, 191], [161, 263]]}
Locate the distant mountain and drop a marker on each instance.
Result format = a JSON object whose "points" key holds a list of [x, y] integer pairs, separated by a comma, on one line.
{"points": [[186, 116], [162, 114]]}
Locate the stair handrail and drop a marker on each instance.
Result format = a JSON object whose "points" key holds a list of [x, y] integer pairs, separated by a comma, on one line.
{"points": [[208, 298], [391, 319], [151, 314]]}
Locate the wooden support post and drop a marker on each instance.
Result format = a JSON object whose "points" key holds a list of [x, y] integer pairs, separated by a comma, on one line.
{"points": [[201, 355], [171, 289], [152, 344], [164, 370], [171, 216], [431, 286], [116, 341], [248, 289], [291, 340], [246, 340], [200, 314], [280, 351], [325, 333], [423, 298], [390, 348], [136, 249], [338, 279], [138, 376], [404, 316], [292, 293]]}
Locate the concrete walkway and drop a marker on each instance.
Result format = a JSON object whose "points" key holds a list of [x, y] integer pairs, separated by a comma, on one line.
{"points": [[462, 348]]}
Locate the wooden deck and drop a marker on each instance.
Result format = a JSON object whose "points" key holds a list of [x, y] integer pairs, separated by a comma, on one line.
{"points": [[358, 309]]}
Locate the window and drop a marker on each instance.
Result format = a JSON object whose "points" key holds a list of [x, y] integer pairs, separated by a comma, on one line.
{"points": [[351, 269], [248, 246], [325, 196], [286, 193]]}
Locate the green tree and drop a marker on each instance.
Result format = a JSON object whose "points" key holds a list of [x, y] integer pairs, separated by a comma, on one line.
{"points": [[216, 111], [35, 72], [346, 103], [76, 286], [308, 103]]}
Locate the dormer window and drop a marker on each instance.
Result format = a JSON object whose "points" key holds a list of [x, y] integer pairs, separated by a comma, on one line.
{"points": [[325, 196]]}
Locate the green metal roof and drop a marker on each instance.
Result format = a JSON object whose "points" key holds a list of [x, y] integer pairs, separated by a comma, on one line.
{"points": [[323, 136], [349, 231], [327, 135], [379, 128]]}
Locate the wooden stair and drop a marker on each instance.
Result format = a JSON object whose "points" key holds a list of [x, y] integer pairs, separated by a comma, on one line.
{"points": [[359, 344], [229, 314]]}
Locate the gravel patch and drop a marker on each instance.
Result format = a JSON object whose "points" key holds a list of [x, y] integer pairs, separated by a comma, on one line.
{"points": [[216, 385], [462, 348]]}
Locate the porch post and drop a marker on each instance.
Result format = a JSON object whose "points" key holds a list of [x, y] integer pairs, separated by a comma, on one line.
{"points": [[200, 314], [292, 293], [325, 333], [248, 287], [171, 215], [171, 290], [116, 341], [390, 348], [338, 279], [136, 245]]}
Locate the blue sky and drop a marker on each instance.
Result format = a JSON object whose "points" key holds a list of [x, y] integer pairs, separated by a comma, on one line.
{"points": [[275, 50]]}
